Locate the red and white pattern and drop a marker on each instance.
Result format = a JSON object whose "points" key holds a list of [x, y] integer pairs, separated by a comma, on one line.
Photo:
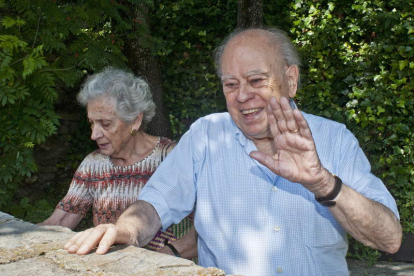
{"points": [[111, 189]]}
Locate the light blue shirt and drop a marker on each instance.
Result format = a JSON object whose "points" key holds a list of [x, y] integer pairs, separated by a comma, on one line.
{"points": [[249, 220]]}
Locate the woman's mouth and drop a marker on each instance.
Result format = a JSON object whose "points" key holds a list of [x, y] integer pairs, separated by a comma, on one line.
{"points": [[103, 146]]}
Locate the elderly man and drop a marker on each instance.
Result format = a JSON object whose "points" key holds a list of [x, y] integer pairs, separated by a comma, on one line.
{"points": [[274, 190]]}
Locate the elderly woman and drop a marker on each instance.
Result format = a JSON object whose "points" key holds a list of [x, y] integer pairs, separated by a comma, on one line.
{"points": [[119, 105]]}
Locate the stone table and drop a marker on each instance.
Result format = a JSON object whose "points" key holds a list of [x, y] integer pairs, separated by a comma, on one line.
{"points": [[28, 249]]}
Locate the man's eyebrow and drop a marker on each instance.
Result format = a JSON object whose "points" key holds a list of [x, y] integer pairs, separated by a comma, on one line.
{"points": [[227, 77], [256, 72]]}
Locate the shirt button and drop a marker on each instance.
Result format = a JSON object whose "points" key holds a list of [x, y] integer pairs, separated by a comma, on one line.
{"points": [[274, 188], [277, 228], [279, 270]]}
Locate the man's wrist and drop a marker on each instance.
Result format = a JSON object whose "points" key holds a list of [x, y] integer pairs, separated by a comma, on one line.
{"points": [[329, 199], [172, 248], [326, 185], [125, 235]]}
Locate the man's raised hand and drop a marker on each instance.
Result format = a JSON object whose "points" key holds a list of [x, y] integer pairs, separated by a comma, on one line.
{"points": [[294, 155]]}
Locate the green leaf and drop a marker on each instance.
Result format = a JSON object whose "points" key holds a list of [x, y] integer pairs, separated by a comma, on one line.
{"points": [[380, 110], [402, 64], [8, 22], [29, 66]]}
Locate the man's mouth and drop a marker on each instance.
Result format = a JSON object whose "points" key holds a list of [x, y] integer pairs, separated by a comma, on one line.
{"points": [[251, 111]]}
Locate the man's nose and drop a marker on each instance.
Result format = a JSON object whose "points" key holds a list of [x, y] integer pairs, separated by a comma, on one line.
{"points": [[245, 93], [96, 133]]}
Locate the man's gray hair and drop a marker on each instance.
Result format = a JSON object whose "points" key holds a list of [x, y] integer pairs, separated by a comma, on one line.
{"points": [[278, 40], [132, 94]]}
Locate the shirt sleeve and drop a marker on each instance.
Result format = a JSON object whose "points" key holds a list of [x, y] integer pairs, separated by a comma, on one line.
{"points": [[171, 189], [78, 200], [355, 171]]}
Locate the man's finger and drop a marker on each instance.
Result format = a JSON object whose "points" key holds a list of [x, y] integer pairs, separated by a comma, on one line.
{"points": [[265, 160], [93, 239], [274, 129], [85, 242], [107, 240], [278, 114], [78, 242], [302, 124], [72, 240], [291, 123]]}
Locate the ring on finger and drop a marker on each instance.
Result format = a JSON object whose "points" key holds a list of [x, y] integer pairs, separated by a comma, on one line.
{"points": [[294, 131]]}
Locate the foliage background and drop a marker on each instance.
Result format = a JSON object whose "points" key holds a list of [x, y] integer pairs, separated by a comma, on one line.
{"points": [[357, 69]]}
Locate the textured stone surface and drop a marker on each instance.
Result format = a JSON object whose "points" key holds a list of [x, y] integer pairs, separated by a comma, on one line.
{"points": [[28, 249]]}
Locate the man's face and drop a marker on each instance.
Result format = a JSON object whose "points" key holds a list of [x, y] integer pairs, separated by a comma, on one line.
{"points": [[251, 75]]}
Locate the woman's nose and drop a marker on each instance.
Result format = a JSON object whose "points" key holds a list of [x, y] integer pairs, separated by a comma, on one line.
{"points": [[96, 133]]}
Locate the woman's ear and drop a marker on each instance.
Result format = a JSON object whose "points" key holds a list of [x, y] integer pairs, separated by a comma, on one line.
{"points": [[292, 75], [138, 121]]}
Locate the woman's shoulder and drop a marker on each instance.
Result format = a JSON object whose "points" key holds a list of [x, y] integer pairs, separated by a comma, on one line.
{"points": [[95, 158], [165, 146], [166, 142]]}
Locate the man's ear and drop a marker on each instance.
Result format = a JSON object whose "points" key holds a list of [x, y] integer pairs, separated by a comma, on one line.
{"points": [[292, 75]]}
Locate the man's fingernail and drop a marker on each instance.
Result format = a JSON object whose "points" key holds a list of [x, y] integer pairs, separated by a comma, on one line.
{"points": [[73, 248]]}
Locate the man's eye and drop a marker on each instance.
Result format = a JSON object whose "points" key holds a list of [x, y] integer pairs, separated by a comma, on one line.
{"points": [[230, 85], [258, 82]]}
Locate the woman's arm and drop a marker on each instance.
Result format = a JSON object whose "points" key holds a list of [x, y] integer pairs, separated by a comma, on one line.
{"points": [[63, 218]]}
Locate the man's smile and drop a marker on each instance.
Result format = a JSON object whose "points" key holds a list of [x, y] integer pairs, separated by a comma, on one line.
{"points": [[251, 113]]}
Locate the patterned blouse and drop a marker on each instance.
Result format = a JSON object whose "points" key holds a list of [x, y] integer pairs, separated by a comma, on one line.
{"points": [[111, 189]]}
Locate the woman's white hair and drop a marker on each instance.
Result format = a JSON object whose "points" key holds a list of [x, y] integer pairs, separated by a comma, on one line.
{"points": [[132, 94]]}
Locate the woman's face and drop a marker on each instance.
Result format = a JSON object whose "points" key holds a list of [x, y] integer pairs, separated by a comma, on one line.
{"points": [[110, 133]]}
